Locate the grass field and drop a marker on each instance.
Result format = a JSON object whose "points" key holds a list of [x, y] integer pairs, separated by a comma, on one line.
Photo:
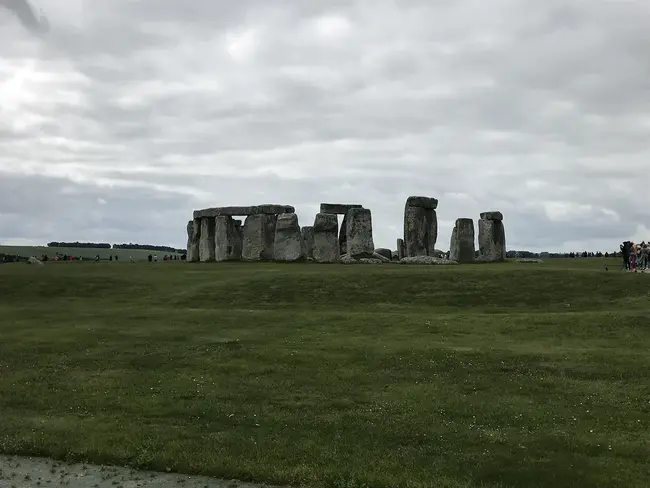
{"points": [[85, 253], [512, 375]]}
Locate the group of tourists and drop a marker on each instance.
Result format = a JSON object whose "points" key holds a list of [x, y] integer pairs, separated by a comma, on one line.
{"points": [[636, 256]]}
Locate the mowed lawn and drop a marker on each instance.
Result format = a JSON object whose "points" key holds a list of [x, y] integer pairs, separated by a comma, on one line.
{"points": [[511, 375]]}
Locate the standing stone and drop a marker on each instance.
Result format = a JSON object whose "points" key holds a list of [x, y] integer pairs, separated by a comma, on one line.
{"points": [[461, 248], [193, 237], [420, 226], [206, 239], [288, 238], [360, 243], [491, 240], [308, 241], [258, 237], [401, 249], [326, 244], [228, 241]]}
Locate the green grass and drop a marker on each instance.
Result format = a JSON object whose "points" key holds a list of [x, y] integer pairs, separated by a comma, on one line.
{"points": [[85, 253], [512, 375]]}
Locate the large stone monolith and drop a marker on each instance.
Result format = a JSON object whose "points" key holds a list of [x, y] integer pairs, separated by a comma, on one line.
{"points": [[258, 237], [228, 239], [461, 247], [491, 237], [401, 249], [288, 239], [308, 241], [420, 226], [193, 237], [360, 243], [326, 243], [206, 239]]}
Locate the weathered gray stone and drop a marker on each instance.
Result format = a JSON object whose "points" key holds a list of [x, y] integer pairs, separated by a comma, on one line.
{"points": [[387, 253], [193, 238], [359, 233], [206, 239], [288, 239], [401, 248], [228, 239], [420, 227], [491, 240], [258, 237], [423, 202], [426, 260], [34, 260], [396, 255], [338, 208], [268, 208], [308, 241], [326, 244], [345, 259], [461, 247], [492, 216], [381, 257]]}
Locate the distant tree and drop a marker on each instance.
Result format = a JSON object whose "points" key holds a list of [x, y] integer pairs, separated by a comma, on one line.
{"points": [[149, 247], [85, 245]]}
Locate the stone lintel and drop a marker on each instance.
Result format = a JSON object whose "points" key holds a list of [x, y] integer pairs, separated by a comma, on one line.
{"points": [[492, 216], [423, 202], [338, 208], [271, 209]]}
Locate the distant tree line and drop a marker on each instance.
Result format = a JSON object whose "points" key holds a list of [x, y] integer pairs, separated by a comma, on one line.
{"points": [[148, 247], [104, 245], [85, 245]]}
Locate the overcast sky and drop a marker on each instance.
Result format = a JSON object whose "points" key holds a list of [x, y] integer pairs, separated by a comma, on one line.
{"points": [[118, 118]]}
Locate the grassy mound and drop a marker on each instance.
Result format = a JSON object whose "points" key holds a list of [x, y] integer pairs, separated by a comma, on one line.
{"points": [[341, 376]]}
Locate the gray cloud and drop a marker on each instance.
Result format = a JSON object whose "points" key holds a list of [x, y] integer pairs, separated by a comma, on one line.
{"points": [[25, 14], [541, 110]]}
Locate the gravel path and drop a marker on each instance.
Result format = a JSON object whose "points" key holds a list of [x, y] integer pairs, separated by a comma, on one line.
{"points": [[32, 472]]}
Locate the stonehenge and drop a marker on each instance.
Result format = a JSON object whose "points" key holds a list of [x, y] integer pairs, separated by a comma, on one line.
{"points": [[420, 226], [401, 249], [340, 209], [387, 253], [271, 232], [308, 242], [206, 240], [461, 247], [287, 245], [360, 243], [326, 242], [491, 237], [228, 239], [258, 237], [193, 235]]}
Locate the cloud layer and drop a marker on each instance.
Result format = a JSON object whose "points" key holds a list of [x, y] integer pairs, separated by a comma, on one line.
{"points": [[126, 115]]}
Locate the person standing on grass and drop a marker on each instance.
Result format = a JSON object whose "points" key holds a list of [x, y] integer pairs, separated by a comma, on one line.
{"points": [[644, 255], [632, 258], [625, 251]]}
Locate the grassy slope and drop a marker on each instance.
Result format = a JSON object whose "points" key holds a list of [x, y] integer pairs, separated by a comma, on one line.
{"points": [[510, 375], [86, 253]]}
